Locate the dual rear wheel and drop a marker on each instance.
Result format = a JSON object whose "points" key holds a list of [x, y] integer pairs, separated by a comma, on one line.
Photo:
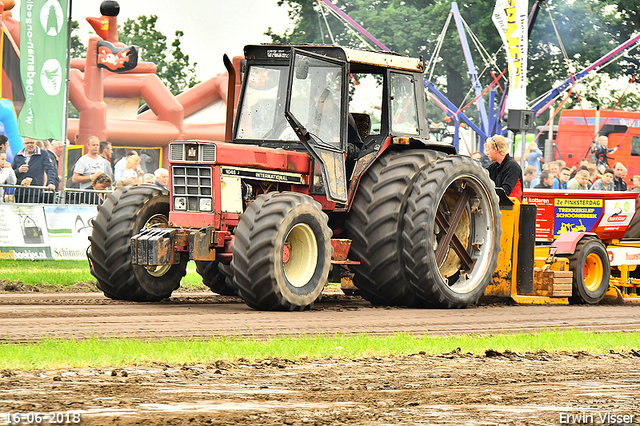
{"points": [[425, 228]]}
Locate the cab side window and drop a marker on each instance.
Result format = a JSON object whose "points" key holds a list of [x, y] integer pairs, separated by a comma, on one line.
{"points": [[404, 106]]}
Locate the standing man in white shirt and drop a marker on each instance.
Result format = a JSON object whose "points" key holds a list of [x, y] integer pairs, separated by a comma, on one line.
{"points": [[90, 165]]}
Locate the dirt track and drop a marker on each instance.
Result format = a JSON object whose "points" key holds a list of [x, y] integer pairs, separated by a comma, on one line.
{"points": [[452, 389], [30, 316]]}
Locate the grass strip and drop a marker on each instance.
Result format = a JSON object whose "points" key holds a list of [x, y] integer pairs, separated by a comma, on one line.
{"points": [[65, 273], [94, 352]]}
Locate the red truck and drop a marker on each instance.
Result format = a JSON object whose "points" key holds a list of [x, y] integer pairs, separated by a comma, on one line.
{"points": [[577, 129]]}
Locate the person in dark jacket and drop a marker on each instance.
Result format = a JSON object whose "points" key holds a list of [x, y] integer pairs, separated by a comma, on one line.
{"points": [[504, 171], [620, 173], [601, 151], [546, 180], [30, 165]]}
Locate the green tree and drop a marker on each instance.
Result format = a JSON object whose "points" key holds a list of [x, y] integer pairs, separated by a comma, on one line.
{"points": [[587, 28], [76, 48], [174, 67]]}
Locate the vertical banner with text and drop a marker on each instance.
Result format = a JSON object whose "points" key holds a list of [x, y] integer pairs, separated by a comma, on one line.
{"points": [[511, 20], [43, 67]]}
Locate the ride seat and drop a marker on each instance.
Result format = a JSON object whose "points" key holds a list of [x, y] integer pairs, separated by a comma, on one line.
{"points": [[359, 127]]}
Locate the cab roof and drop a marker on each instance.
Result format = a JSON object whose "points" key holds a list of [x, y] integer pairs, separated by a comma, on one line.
{"points": [[282, 52]]}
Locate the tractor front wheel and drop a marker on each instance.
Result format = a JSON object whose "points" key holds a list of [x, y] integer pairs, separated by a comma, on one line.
{"points": [[282, 252]]}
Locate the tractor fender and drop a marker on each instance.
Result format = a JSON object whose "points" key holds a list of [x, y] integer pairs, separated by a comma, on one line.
{"points": [[366, 161], [566, 242]]}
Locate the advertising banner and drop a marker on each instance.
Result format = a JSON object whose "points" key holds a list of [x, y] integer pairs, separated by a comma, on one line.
{"points": [[617, 215], [23, 233], [511, 20], [608, 214], [45, 232], [624, 255], [43, 67], [545, 215], [576, 215], [69, 228]]}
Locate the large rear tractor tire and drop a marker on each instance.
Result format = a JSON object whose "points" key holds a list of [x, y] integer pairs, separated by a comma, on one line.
{"points": [[217, 276], [123, 214], [282, 252], [591, 271], [451, 233], [375, 226]]}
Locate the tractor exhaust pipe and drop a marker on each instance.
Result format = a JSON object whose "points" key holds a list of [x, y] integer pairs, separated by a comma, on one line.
{"points": [[231, 90]]}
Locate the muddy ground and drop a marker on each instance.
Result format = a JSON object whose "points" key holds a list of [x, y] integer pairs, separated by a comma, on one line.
{"points": [[450, 389]]}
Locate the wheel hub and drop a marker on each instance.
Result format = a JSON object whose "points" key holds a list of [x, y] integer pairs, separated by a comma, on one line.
{"points": [[462, 229], [286, 253], [593, 272], [301, 249]]}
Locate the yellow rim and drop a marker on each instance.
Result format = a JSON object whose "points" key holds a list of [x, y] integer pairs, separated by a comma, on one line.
{"points": [[161, 221], [593, 272], [303, 257]]}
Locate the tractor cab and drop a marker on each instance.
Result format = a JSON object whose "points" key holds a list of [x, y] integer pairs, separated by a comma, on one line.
{"points": [[305, 98]]}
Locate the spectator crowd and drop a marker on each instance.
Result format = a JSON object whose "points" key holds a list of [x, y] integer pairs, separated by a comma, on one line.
{"points": [[592, 173], [34, 176]]}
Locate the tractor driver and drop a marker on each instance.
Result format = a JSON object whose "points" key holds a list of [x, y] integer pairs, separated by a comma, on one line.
{"points": [[504, 171]]}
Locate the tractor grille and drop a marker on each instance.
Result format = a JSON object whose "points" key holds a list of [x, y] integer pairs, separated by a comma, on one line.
{"points": [[176, 152], [192, 183], [192, 152]]}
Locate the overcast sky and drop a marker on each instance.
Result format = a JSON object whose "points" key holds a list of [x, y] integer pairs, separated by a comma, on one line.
{"points": [[211, 27]]}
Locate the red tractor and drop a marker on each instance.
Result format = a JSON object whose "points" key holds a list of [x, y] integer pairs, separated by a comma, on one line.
{"points": [[269, 213]]}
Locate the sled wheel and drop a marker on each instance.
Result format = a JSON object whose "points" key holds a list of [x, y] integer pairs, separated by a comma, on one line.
{"points": [[591, 271], [281, 252], [451, 233]]}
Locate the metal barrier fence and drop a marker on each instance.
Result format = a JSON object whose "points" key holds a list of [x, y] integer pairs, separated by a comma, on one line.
{"points": [[43, 195]]}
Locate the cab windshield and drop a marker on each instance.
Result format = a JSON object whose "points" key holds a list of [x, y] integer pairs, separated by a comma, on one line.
{"points": [[262, 112]]}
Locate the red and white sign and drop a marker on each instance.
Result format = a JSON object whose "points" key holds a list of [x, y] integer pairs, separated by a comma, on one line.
{"points": [[624, 255], [616, 217], [544, 217]]}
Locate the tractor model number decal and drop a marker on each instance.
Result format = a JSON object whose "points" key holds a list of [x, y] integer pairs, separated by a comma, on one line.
{"points": [[256, 174], [576, 214]]}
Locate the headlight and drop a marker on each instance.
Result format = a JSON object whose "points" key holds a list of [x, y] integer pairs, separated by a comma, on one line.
{"points": [[205, 205], [180, 203]]}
